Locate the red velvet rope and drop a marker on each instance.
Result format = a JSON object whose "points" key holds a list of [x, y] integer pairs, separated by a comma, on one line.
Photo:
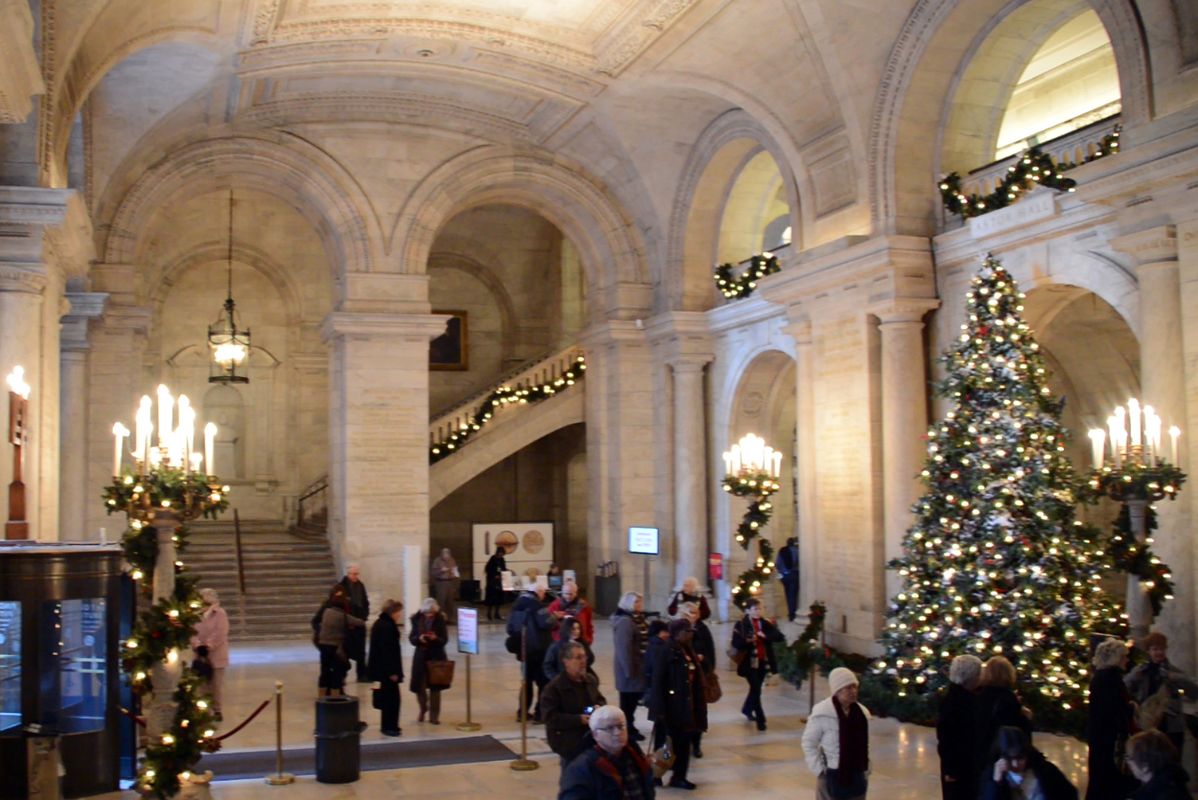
{"points": [[247, 721]]}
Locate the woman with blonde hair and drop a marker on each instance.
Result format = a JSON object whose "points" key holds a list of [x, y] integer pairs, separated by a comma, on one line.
{"points": [[996, 706], [1109, 723]]}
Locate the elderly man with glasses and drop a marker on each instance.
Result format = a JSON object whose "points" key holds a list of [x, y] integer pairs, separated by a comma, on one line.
{"points": [[613, 769]]}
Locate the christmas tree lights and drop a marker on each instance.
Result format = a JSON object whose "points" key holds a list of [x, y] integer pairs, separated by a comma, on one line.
{"points": [[996, 563]]}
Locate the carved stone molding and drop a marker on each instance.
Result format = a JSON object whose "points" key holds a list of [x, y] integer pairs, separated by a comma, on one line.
{"points": [[26, 279], [414, 328], [20, 75], [83, 308], [683, 338], [904, 310], [1151, 246]]}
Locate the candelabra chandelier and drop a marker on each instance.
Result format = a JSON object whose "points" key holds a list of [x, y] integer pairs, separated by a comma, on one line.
{"points": [[228, 343]]}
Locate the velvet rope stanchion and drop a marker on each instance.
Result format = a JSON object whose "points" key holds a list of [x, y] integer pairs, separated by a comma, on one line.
{"points": [[280, 778]]}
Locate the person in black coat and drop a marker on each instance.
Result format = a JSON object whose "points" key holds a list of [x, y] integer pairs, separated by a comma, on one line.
{"points": [[996, 705], [568, 702], [429, 635], [359, 606], [1153, 759], [569, 630], [955, 730], [386, 665], [787, 562], [690, 592], [754, 637], [530, 618], [676, 697], [493, 597], [1109, 724], [1016, 760], [607, 762], [704, 647]]}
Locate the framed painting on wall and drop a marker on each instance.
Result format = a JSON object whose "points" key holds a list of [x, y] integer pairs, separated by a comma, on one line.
{"points": [[449, 351]]}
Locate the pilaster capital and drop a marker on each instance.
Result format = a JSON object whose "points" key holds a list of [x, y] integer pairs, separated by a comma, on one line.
{"points": [[70, 245], [20, 75], [612, 332], [1149, 246], [904, 310], [624, 300], [683, 338], [33, 205], [83, 307], [416, 329], [23, 278], [800, 330]]}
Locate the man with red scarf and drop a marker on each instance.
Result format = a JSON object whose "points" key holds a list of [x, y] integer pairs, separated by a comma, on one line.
{"points": [[836, 741], [752, 640]]}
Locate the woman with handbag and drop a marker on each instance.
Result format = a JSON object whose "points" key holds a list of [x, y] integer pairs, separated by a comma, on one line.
{"points": [[386, 665], [429, 635], [335, 621], [704, 646], [836, 740], [752, 650], [1109, 724], [676, 697]]}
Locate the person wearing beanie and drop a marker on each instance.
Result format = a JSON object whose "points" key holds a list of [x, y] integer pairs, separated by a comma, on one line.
{"points": [[752, 643], [676, 698], [836, 740]]}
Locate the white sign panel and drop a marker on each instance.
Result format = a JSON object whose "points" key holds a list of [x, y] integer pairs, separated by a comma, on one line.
{"points": [[468, 631], [644, 541]]}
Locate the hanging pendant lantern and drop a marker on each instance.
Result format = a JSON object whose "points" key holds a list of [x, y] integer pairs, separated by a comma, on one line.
{"points": [[229, 344]]}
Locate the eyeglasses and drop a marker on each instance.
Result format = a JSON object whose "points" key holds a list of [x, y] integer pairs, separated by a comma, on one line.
{"points": [[614, 728]]}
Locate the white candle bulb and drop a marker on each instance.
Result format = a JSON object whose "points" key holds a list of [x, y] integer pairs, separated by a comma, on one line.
{"points": [[166, 407], [196, 460], [777, 464], [1174, 433], [142, 422], [16, 382], [1097, 443], [1133, 414], [120, 432], [209, 445]]}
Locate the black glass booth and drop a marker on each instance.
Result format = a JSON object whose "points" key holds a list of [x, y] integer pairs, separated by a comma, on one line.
{"points": [[59, 668]]}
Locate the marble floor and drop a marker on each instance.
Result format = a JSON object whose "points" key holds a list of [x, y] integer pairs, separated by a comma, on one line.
{"points": [[738, 759]]}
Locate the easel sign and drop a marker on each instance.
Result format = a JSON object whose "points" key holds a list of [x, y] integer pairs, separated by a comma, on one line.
{"points": [[644, 541]]}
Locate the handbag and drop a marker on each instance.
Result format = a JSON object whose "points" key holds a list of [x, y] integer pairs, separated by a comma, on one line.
{"points": [[712, 692], [440, 674], [662, 759], [856, 787], [737, 657]]}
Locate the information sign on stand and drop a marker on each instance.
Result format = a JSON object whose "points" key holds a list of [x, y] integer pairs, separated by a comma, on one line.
{"points": [[468, 631], [644, 541]]}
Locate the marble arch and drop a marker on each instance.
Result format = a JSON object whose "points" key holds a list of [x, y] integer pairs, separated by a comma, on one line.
{"points": [[449, 258], [713, 164], [281, 165], [613, 257], [934, 44]]}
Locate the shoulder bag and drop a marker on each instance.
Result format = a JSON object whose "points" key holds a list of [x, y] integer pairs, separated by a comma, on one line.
{"points": [[440, 674]]}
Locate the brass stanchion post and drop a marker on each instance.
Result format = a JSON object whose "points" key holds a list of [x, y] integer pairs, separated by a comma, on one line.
{"points": [[524, 763], [280, 778], [469, 724]]}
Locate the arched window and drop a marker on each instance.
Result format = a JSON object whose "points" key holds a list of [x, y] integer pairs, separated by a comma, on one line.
{"points": [[756, 210], [1070, 82]]}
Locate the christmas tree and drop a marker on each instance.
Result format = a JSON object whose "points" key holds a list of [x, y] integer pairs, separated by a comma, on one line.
{"points": [[996, 562]]}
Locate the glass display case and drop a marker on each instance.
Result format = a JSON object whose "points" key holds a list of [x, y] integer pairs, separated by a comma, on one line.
{"points": [[59, 673], [10, 665]]}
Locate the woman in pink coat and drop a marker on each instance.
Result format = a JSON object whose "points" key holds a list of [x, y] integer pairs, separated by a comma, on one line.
{"points": [[212, 634]]}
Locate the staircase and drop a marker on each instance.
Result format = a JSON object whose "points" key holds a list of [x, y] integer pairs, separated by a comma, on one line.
{"points": [[287, 576]]}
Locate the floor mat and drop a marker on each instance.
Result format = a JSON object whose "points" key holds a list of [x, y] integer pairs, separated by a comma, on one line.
{"points": [[382, 755]]}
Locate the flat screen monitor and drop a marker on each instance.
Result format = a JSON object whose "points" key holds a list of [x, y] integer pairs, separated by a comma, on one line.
{"points": [[644, 541]]}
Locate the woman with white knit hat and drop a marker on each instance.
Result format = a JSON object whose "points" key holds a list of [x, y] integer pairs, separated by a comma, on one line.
{"points": [[836, 741]]}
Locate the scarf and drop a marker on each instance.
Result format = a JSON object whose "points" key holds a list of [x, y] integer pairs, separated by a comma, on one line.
{"points": [[758, 641], [854, 743]]}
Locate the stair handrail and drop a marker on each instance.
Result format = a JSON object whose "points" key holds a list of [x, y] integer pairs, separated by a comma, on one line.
{"points": [[237, 548], [317, 487], [539, 371]]}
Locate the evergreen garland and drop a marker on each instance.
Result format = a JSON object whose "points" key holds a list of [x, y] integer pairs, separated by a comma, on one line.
{"points": [[503, 396], [1031, 169], [190, 736], [996, 563], [734, 286], [1137, 558], [758, 486]]}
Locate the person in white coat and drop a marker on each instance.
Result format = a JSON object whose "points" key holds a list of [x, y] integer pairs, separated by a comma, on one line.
{"points": [[211, 641], [836, 740]]}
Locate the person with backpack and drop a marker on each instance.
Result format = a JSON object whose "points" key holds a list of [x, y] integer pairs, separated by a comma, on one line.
{"points": [[529, 634]]}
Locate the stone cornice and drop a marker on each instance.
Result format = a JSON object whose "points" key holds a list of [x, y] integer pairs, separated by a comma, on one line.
{"points": [[26, 278], [739, 313], [612, 331], [416, 328], [385, 293], [86, 305], [29, 205], [20, 74], [881, 268], [72, 243], [1159, 166], [1150, 246], [968, 244]]}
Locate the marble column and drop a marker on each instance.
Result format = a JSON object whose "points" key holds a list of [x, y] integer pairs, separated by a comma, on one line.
{"points": [[690, 473], [1187, 258], [378, 431], [21, 290], [809, 589], [73, 496], [1162, 385], [904, 419]]}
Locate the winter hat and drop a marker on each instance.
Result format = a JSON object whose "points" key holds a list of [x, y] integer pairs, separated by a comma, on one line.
{"points": [[840, 678], [678, 626]]}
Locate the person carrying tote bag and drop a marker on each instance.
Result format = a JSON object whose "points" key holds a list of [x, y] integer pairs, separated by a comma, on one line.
{"points": [[429, 635]]}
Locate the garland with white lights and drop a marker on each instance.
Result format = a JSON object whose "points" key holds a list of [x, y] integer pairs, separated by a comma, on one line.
{"points": [[758, 486], [1031, 169], [735, 287], [163, 632], [506, 395], [1137, 558]]}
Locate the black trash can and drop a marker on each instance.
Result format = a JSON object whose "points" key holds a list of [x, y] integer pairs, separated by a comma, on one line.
{"points": [[337, 739]]}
